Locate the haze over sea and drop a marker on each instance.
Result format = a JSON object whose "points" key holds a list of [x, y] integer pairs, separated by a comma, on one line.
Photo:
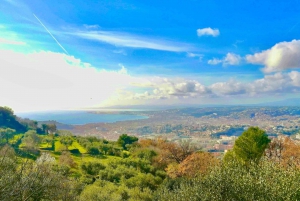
{"points": [[79, 117]]}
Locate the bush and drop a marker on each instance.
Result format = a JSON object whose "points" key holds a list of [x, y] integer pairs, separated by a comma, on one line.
{"points": [[234, 181]]}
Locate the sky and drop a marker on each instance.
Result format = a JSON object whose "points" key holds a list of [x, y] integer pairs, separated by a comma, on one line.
{"points": [[75, 54]]}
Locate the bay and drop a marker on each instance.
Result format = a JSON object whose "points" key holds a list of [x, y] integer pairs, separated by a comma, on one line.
{"points": [[79, 117]]}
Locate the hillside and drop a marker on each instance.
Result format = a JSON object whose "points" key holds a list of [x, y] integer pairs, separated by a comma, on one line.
{"points": [[56, 165]]}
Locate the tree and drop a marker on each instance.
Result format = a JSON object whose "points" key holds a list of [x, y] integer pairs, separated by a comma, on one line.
{"points": [[7, 151], [48, 140], [9, 120], [31, 140], [250, 146], [284, 151], [93, 150], [66, 159], [125, 139], [197, 163], [177, 151], [6, 133], [45, 128], [66, 138], [29, 180], [51, 128]]}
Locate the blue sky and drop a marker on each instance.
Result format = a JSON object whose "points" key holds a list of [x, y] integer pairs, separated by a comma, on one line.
{"points": [[76, 54]]}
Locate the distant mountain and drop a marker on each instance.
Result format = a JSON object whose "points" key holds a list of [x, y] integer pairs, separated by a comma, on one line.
{"points": [[286, 102], [158, 107]]}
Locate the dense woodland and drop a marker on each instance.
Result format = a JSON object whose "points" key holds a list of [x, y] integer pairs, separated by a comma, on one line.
{"points": [[39, 162]]}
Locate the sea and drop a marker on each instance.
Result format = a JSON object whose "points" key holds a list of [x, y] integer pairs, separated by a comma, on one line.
{"points": [[78, 117]]}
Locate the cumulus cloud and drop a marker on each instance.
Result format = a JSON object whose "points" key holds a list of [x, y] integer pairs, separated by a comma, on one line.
{"points": [[282, 56], [278, 83], [214, 61], [229, 59], [185, 90], [232, 59], [159, 88], [208, 32], [232, 87]]}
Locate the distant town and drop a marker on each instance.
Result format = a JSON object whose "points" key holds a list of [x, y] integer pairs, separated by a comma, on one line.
{"points": [[214, 129]]}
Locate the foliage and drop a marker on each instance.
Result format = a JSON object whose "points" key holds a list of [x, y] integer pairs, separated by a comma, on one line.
{"points": [[34, 181], [92, 168], [6, 133], [102, 190], [250, 146], [45, 158], [234, 181], [66, 159], [284, 151], [7, 151], [145, 170], [49, 128], [48, 140], [198, 163], [9, 120], [125, 140], [93, 151], [66, 138], [31, 141], [167, 152]]}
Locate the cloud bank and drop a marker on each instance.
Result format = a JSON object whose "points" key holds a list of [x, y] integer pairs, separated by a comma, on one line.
{"points": [[185, 90], [49, 80]]}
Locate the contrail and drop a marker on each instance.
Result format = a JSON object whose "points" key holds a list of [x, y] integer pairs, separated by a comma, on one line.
{"points": [[291, 29], [51, 34]]}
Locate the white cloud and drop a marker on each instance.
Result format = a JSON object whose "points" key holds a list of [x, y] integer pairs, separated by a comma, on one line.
{"points": [[123, 69], [9, 38], [11, 42], [186, 91], [229, 59], [48, 80], [214, 61], [282, 56], [232, 87], [232, 59], [159, 88], [278, 83], [193, 55], [133, 41], [208, 32]]}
